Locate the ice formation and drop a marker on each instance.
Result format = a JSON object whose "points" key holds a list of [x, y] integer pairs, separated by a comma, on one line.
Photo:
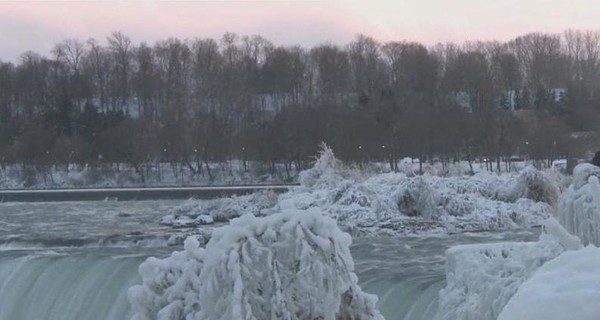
{"points": [[553, 278], [579, 208], [325, 172], [404, 205], [553, 231], [396, 203], [481, 278], [290, 265], [567, 287], [531, 184], [169, 288], [195, 213]]}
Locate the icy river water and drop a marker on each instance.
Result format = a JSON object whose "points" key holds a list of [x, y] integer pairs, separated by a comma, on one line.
{"points": [[76, 260]]}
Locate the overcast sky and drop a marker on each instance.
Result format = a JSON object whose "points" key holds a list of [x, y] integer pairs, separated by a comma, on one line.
{"points": [[38, 25]]}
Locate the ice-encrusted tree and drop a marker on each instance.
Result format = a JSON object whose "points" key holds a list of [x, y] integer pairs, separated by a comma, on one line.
{"points": [[292, 265], [325, 171]]}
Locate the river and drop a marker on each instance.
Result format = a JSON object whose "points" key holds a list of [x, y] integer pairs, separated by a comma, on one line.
{"points": [[76, 260]]}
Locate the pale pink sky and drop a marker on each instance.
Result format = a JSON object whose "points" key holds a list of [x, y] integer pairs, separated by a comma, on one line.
{"points": [[38, 25]]}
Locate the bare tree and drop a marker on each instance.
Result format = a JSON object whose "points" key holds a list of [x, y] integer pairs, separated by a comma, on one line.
{"points": [[145, 82], [591, 64], [540, 56], [282, 74], [97, 63], [366, 65], [207, 62], [332, 72], [122, 49]]}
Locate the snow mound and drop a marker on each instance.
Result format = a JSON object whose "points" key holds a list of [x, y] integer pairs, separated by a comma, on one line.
{"points": [[579, 208], [481, 278], [291, 265], [567, 287], [531, 184]]}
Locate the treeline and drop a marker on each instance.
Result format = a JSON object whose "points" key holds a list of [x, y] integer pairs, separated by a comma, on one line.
{"points": [[191, 102]]}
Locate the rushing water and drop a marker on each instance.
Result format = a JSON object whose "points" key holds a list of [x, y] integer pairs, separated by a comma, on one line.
{"points": [[76, 260]]}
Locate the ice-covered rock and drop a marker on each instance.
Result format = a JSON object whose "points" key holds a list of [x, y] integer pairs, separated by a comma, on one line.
{"points": [[481, 278], [567, 287], [579, 208], [291, 265]]}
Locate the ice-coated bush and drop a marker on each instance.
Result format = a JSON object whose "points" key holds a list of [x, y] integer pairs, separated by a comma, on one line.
{"points": [[417, 198], [324, 172], [531, 184], [294, 265], [459, 205], [169, 289]]}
